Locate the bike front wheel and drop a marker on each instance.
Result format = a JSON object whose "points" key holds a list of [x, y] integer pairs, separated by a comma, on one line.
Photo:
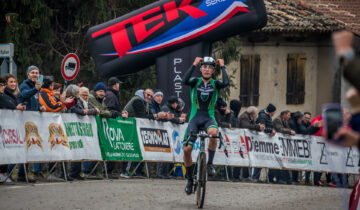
{"points": [[201, 184]]}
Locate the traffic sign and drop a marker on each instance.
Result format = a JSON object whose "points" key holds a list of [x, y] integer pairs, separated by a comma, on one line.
{"points": [[70, 66]]}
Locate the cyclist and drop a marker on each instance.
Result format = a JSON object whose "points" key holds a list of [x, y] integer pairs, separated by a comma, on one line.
{"points": [[204, 93]]}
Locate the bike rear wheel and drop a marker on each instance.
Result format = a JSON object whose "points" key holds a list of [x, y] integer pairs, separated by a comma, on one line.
{"points": [[201, 184]]}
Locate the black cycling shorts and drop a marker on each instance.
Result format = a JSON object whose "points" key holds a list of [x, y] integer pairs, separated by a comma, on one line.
{"points": [[200, 120]]}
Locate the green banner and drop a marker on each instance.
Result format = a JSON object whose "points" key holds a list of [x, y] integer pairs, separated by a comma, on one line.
{"points": [[118, 139]]}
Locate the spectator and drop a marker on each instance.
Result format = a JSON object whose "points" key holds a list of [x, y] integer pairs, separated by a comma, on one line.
{"points": [[179, 110], [83, 101], [8, 101], [247, 120], [155, 105], [170, 109], [7, 98], [138, 106], [222, 114], [235, 107], [29, 90], [296, 123], [307, 119], [265, 118], [97, 99], [281, 124], [47, 100], [112, 100], [57, 90]]}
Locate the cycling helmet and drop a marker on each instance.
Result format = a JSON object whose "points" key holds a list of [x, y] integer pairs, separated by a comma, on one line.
{"points": [[208, 61]]}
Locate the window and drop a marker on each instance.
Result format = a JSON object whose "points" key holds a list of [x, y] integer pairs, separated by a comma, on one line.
{"points": [[249, 80], [295, 93]]}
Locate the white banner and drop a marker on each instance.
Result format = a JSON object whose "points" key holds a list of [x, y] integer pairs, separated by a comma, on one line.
{"points": [[12, 145], [328, 157], [264, 151], [40, 137], [155, 140]]}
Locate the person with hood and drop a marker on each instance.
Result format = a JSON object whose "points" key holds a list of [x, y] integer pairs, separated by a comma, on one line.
{"points": [[265, 118], [235, 107], [29, 90], [112, 98], [46, 98], [138, 106], [97, 99], [170, 109], [222, 114], [179, 111]]}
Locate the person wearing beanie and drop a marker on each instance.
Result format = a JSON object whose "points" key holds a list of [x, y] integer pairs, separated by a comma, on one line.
{"points": [[97, 99], [46, 97], [29, 90], [112, 98], [155, 104], [222, 114], [265, 118]]}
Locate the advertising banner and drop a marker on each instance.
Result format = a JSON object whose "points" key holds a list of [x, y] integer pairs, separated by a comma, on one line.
{"points": [[155, 140], [12, 145], [118, 139], [264, 151], [296, 151], [328, 157]]}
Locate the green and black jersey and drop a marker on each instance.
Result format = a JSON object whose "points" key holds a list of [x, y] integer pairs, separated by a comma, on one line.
{"points": [[203, 99]]}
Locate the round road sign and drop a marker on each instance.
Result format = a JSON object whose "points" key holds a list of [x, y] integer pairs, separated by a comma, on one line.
{"points": [[70, 66]]}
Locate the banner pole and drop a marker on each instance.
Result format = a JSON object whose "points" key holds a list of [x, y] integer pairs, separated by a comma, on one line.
{"points": [[53, 168], [64, 169], [226, 172], [137, 166], [26, 177], [106, 173], [147, 170], [93, 169], [8, 175]]}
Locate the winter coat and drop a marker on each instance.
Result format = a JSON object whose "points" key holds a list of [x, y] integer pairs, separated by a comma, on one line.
{"points": [[223, 120], [10, 93], [245, 121], [112, 102], [234, 120], [47, 100], [98, 103], [154, 107], [264, 118], [281, 125], [6, 102], [82, 104], [301, 129], [29, 95], [167, 108], [137, 106]]}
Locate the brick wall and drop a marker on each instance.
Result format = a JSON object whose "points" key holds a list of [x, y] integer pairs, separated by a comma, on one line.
{"points": [[346, 12]]}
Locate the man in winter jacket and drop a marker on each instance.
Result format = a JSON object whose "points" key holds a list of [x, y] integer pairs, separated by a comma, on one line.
{"points": [[170, 109], [247, 120], [112, 100], [265, 118], [138, 106], [235, 107], [29, 90], [97, 97], [222, 114]]}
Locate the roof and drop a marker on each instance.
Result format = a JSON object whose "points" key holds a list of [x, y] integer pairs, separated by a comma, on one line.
{"points": [[345, 12], [290, 16]]}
